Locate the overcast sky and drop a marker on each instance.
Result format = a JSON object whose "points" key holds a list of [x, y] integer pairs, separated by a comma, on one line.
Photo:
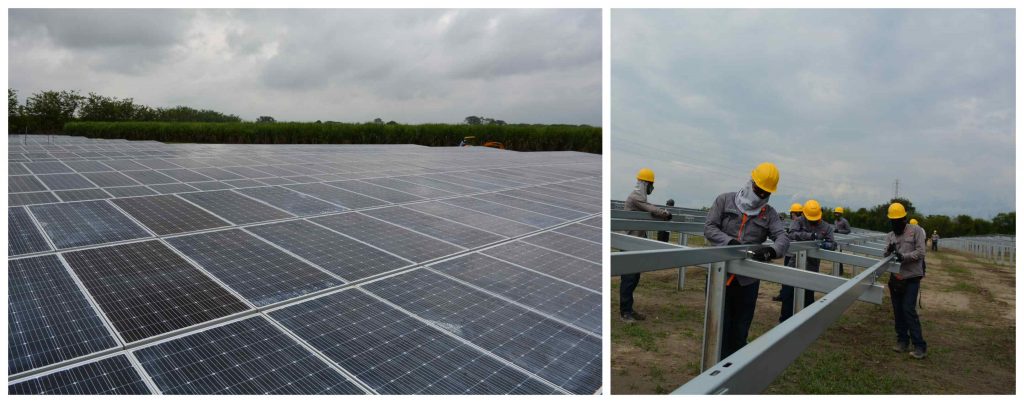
{"points": [[412, 66], [844, 102]]}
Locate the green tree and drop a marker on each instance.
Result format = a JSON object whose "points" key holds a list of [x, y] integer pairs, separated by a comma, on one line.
{"points": [[49, 110], [266, 119]]}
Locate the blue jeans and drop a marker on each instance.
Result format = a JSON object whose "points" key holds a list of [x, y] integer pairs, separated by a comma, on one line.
{"points": [[904, 307], [626, 287], [740, 302]]}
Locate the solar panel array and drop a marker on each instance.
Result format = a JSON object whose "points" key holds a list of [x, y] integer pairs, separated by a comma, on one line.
{"points": [[143, 267]]}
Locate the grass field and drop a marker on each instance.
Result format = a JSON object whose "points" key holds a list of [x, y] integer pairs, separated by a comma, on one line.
{"points": [[967, 319]]}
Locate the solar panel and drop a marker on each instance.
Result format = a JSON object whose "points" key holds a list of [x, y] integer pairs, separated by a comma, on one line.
{"points": [[377, 192], [85, 223], [244, 183], [24, 183], [173, 188], [16, 168], [339, 254], [22, 235], [258, 271], [562, 300], [337, 196], [48, 167], [495, 224], [581, 231], [465, 236], [157, 164], [275, 181], [400, 241], [150, 177], [558, 353], [503, 211], [411, 188], [166, 292], [168, 214], [109, 179], [217, 173], [22, 199], [110, 376], [81, 194], [562, 202], [185, 175], [49, 319], [564, 193], [125, 165], [87, 166], [247, 172], [247, 357], [130, 191], [593, 222], [291, 201], [569, 245], [65, 181], [439, 184], [395, 353], [552, 263], [234, 207], [538, 207], [211, 185]]}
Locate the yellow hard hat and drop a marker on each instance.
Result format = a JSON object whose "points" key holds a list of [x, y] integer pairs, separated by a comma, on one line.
{"points": [[796, 208], [812, 210], [766, 176], [913, 221], [896, 210], [645, 174], [839, 210]]}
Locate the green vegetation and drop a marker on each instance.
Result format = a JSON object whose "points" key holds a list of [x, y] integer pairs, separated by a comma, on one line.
{"points": [[874, 218], [514, 136]]}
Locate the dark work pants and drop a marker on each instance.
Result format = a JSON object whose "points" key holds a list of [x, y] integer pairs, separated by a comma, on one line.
{"points": [[904, 307], [626, 288], [740, 302], [935, 245], [788, 294]]}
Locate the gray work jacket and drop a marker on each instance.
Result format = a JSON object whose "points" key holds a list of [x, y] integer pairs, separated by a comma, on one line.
{"points": [[842, 226], [724, 221], [637, 201], [911, 245]]}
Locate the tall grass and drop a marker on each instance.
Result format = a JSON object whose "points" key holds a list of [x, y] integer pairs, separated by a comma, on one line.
{"points": [[514, 137]]}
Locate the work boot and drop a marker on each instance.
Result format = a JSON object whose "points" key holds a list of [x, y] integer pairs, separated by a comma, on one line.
{"points": [[919, 352], [901, 347], [630, 317]]}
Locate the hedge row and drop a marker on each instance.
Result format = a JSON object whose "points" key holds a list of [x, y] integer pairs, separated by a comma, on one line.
{"points": [[514, 137]]}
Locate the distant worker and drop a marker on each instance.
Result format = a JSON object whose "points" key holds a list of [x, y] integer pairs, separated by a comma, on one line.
{"points": [[745, 218], [809, 228], [664, 236], [906, 241], [842, 227], [796, 210], [935, 240], [637, 201]]}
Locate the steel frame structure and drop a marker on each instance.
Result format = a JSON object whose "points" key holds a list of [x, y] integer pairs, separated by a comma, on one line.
{"points": [[755, 366], [999, 249]]}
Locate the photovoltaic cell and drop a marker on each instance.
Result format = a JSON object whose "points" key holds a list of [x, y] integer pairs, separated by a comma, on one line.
{"points": [[110, 179], [411, 188], [211, 185], [173, 188], [85, 223], [185, 175], [244, 183], [16, 168], [378, 192], [581, 231], [532, 206], [462, 180], [110, 376], [82, 194], [395, 353], [166, 292], [593, 222], [337, 196], [217, 173], [235, 207], [566, 244], [22, 199], [130, 191], [87, 166], [561, 300], [24, 183], [497, 225], [247, 357], [451, 187], [157, 164], [49, 319], [400, 241], [565, 267], [150, 177], [258, 271], [48, 167], [341, 255], [562, 202], [247, 172], [275, 181], [125, 165], [65, 181], [168, 214], [22, 235], [561, 354], [291, 201], [440, 228], [500, 210]]}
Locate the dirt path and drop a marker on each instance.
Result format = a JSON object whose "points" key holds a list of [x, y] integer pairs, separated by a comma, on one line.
{"points": [[968, 320]]}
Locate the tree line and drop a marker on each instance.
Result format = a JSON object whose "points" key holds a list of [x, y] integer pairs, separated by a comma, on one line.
{"points": [[48, 111], [875, 218]]}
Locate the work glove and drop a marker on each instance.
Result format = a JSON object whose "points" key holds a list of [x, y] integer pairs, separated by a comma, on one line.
{"points": [[827, 245], [764, 254], [890, 249], [734, 242], [899, 257], [669, 217], [814, 236]]}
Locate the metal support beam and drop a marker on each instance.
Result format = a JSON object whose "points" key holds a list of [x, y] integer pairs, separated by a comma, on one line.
{"points": [[798, 293], [647, 225], [809, 280], [713, 315]]}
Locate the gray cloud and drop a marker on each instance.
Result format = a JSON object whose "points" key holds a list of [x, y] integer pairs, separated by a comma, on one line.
{"points": [[845, 102], [531, 66]]}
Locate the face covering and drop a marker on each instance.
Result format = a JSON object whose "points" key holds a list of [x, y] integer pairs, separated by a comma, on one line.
{"points": [[898, 226], [748, 202], [645, 188], [650, 188]]}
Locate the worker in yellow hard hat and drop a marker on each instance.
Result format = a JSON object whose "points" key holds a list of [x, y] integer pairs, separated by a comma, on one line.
{"points": [[907, 242], [810, 228], [913, 221], [796, 210], [842, 226], [745, 218], [935, 240], [637, 201]]}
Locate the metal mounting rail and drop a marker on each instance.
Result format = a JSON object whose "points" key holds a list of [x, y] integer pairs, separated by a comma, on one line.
{"points": [[754, 367]]}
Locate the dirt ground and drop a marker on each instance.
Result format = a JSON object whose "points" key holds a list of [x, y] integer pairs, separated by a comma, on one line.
{"points": [[968, 320]]}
